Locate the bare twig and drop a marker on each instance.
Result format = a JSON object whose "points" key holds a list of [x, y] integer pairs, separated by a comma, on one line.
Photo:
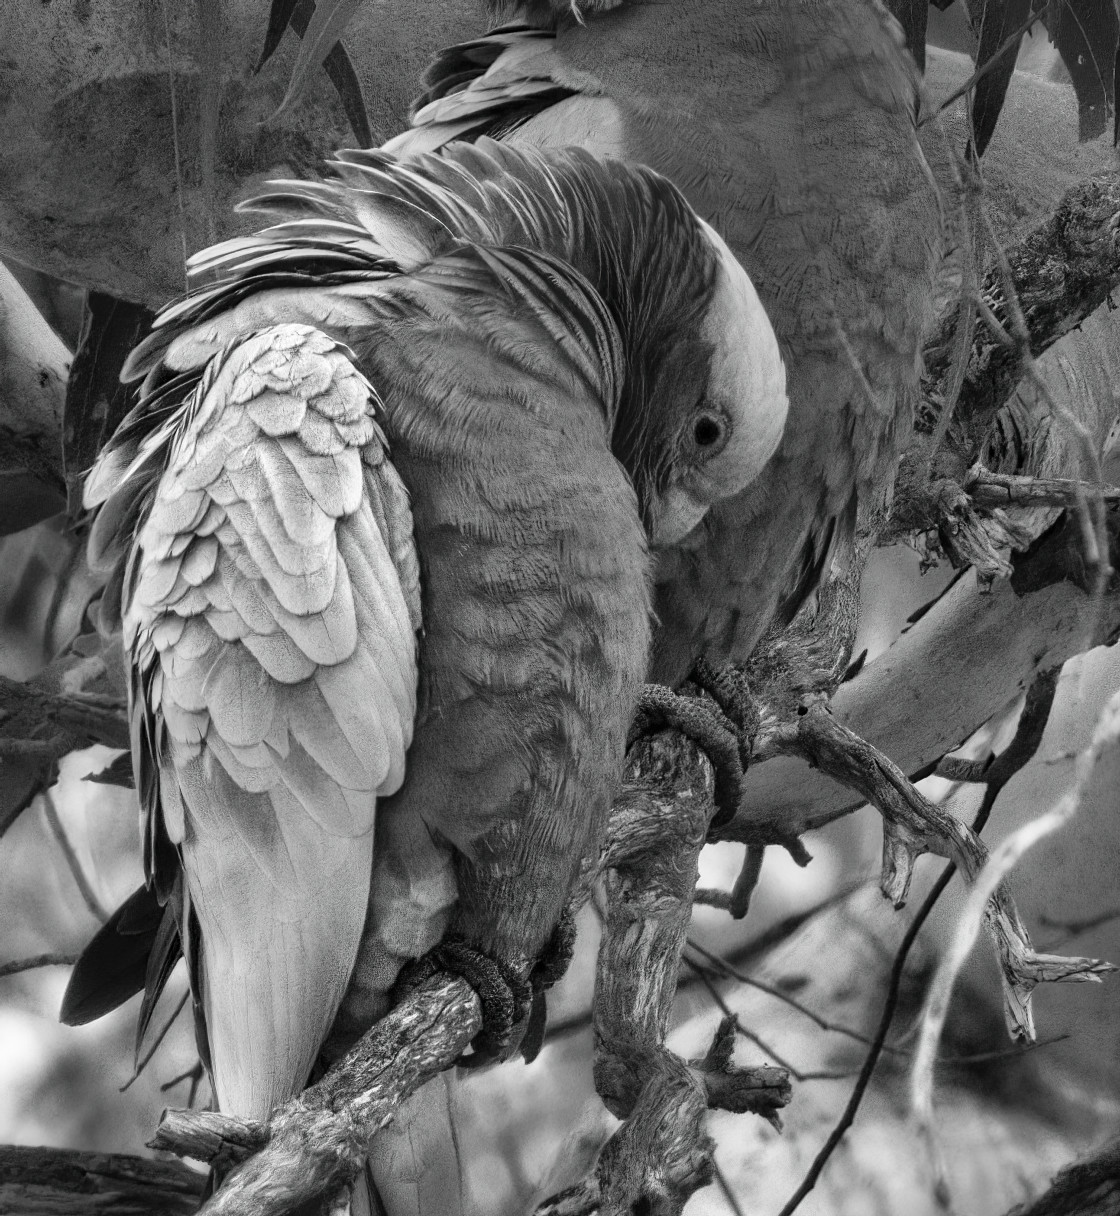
{"points": [[988, 490], [81, 880], [146, 1059], [1023, 746], [35, 961], [912, 826], [1011, 40], [721, 966], [1106, 734]]}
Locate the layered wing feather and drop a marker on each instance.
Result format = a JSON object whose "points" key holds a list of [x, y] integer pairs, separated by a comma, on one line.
{"points": [[270, 607], [488, 86]]}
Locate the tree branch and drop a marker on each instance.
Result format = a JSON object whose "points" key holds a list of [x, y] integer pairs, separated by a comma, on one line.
{"points": [[1089, 1187], [1062, 271], [63, 1182], [313, 1146]]}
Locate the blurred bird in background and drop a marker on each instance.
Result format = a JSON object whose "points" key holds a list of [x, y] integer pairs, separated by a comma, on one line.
{"points": [[375, 560]]}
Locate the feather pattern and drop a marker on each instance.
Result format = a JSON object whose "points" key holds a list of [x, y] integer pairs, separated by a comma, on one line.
{"points": [[259, 770], [527, 319], [725, 99]]}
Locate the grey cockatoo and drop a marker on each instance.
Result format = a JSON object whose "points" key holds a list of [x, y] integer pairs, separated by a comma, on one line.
{"points": [[375, 561]]}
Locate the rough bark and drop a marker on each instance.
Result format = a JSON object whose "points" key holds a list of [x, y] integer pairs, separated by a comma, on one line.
{"points": [[1062, 271], [986, 646], [63, 1182], [314, 1145], [1090, 1187]]}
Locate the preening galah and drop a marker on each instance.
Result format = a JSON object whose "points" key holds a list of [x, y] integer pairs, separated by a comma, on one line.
{"points": [[375, 560], [789, 125]]}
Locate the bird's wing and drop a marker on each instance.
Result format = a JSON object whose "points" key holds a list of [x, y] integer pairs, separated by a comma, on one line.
{"points": [[270, 604], [489, 86]]}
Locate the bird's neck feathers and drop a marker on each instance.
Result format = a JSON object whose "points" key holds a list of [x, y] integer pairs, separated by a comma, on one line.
{"points": [[625, 230]]}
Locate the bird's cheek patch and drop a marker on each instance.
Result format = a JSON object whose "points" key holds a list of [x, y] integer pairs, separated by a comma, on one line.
{"points": [[747, 374]]}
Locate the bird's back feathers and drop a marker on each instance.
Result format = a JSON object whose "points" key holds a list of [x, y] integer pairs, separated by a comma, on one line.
{"points": [[260, 590]]}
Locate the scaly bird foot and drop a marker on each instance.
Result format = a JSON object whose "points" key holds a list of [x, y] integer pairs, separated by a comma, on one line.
{"points": [[504, 991], [725, 730]]}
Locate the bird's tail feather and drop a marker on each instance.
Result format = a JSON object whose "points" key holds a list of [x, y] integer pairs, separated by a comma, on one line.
{"points": [[416, 1167]]}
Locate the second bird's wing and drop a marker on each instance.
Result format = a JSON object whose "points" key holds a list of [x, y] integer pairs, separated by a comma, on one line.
{"points": [[489, 86], [270, 603]]}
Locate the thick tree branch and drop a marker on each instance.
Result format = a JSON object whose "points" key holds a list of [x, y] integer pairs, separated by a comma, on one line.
{"points": [[986, 649], [314, 1145], [663, 1153], [36, 721], [63, 1182], [912, 825], [1089, 1187], [1062, 271]]}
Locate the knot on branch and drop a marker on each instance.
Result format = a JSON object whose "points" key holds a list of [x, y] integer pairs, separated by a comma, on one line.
{"points": [[762, 1089]]}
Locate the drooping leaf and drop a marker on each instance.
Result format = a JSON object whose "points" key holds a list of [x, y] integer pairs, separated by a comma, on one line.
{"points": [[913, 16], [1085, 33], [114, 964], [323, 31], [279, 17], [1002, 24], [340, 71], [96, 401], [342, 75], [117, 772], [24, 780]]}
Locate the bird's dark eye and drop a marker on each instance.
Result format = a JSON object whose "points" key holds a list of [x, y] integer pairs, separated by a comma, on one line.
{"points": [[707, 430]]}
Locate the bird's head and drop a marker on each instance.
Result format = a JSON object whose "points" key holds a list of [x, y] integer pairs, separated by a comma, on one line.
{"points": [[704, 400], [702, 395], [714, 405]]}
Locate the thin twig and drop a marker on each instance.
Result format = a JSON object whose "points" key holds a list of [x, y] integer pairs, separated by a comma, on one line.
{"points": [[1022, 748], [984, 69], [85, 889], [733, 973], [871, 1061], [36, 960], [717, 997], [728, 1193], [157, 1041], [1001, 862]]}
